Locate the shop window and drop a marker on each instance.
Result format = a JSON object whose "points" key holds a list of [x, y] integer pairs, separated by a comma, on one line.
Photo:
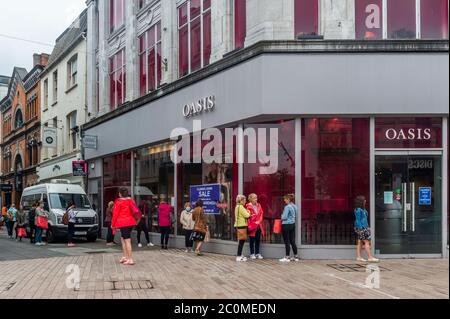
{"points": [[154, 181], [194, 23], [116, 14], [335, 170], [409, 132], [369, 19], [117, 77], [224, 173], [306, 18], [434, 19], [240, 23], [116, 174], [401, 17], [18, 119], [150, 59], [272, 187]]}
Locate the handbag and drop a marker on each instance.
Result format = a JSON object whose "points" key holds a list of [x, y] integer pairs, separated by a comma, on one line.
{"points": [[42, 222], [242, 234], [21, 232], [277, 226]]}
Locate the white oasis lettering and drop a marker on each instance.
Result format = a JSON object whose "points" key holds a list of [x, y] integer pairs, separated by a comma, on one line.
{"points": [[203, 105], [373, 20], [419, 134]]}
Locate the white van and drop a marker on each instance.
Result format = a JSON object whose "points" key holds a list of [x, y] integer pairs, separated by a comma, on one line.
{"points": [[55, 197]]}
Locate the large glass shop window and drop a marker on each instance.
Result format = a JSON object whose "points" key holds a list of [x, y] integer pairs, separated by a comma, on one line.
{"points": [[154, 181], [271, 188], [116, 174], [224, 172], [335, 170]]}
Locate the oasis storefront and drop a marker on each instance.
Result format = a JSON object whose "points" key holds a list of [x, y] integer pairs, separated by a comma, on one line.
{"points": [[397, 159]]}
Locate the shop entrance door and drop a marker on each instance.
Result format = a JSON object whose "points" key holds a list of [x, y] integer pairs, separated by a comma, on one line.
{"points": [[408, 201]]}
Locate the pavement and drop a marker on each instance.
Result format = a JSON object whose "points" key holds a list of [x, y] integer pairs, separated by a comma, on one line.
{"points": [[92, 271]]}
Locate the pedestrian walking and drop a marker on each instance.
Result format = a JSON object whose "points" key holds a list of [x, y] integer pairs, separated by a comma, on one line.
{"points": [[200, 227], [3, 217], [71, 219], [12, 219], [164, 219], [255, 226], [288, 220], [32, 221], [362, 230], [142, 227], [108, 219], [188, 226], [41, 214], [21, 224], [124, 220], [242, 215]]}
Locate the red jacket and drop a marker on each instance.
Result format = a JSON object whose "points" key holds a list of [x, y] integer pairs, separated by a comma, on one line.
{"points": [[122, 215], [164, 215], [256, 219]]}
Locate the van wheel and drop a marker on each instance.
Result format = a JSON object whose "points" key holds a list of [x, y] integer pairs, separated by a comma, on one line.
{"points": [[92, 239], [50, 236]]}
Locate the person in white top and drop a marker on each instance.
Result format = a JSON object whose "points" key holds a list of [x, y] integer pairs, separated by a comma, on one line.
{"points": [[188, 226]]}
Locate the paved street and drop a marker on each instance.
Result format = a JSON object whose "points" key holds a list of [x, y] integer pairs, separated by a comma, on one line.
{"points": [[40, 272]]}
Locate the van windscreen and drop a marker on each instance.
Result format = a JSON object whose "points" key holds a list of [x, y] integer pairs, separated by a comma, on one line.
{"points": [[60, 201]]}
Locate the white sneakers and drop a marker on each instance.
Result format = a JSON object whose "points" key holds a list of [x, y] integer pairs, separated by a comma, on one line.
{"points": [[362, 260], [150, 245], [371, 260], [241, 259], [140, 245], [288, 260], [255, 257]]}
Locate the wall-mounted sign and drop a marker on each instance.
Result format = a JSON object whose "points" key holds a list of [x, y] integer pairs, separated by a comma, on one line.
{"points": [[7, 188], [408, 132], [425, 196], [203, 105], [80, 168], [90, 142], [388, 198], [49, 137], [209, 194]]}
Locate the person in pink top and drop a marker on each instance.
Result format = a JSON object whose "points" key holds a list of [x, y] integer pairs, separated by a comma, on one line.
{"points": [[164, 211], [123, 219]]}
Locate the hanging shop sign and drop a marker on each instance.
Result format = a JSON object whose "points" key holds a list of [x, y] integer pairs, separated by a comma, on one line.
{"points": [[49, 137], [7, 188], [90, 142], [202, 106], [80, 168], [209, 194]]}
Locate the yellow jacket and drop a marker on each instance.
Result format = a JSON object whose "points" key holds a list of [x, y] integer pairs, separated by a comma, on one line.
{"points": [[242, 216]]}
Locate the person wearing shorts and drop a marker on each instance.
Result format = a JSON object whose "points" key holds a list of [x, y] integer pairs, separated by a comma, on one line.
{"points": [[362, 230], [123, 220]]}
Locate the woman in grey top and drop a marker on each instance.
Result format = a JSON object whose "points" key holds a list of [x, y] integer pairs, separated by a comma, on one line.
{"points": [[40, 212]]}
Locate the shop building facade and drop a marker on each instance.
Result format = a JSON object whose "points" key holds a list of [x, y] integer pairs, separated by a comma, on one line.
{"points": [[353, 117]]}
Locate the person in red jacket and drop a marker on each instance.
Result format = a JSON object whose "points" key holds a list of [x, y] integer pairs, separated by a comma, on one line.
{"points": [[124, 220], [164, 211], [255, 226]]}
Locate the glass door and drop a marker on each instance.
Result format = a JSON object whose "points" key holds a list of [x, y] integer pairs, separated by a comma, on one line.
{"points": [[408, 202]]}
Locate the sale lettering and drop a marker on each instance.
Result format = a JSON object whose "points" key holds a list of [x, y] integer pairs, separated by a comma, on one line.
{"points": [[409, 134]]}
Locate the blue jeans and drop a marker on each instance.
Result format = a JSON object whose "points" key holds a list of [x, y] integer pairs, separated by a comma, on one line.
{"points": [[38, 235]]}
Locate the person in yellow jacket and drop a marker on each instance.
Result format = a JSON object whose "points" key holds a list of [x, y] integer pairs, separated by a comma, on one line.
{"points": [[242, 215]]}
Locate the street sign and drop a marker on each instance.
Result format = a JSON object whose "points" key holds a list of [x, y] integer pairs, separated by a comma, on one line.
{"points": [[90, 142], [425, 196], [7, 188], [80, 168], [209, 194]]}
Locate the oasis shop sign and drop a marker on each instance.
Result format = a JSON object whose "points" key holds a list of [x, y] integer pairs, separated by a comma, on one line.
{"points": [[204, 105]]}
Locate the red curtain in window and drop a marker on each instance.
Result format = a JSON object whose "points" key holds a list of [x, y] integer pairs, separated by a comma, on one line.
{"points": [[196, 48], [206, 38], [142, 66], [401, 15], [240, 23], [112, 85], [183, 44], [306, 17], [369, 19], [434, 19]]}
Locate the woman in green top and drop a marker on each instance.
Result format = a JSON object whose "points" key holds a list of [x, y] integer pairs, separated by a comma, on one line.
{"points": [[241, 225]]}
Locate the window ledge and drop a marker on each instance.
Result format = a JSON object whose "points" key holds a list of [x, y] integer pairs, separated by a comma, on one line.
{"points": [[72, 88], [116, 32]]}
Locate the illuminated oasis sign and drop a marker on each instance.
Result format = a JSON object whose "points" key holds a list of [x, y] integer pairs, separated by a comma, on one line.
{"points": [[203, 105]]}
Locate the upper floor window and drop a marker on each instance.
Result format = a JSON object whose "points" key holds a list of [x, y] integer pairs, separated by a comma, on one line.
{"points": [[18, 123], [117, 78], [31, 109], [55, 86], [401, 19], [150, 59], [194, 29], [116, 14], [46, 93], [72, 71], [306, 18], [240, 23], [73, 129]]}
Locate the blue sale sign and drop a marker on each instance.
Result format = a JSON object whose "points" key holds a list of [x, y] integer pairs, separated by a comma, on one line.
{"points": [[209, 194], [425, 196]]}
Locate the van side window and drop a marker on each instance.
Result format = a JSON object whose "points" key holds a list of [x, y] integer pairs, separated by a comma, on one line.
{"points": [[45, 200]]}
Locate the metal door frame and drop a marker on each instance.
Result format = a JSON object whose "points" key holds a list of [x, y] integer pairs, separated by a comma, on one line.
{"points": [[411, 152]]}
